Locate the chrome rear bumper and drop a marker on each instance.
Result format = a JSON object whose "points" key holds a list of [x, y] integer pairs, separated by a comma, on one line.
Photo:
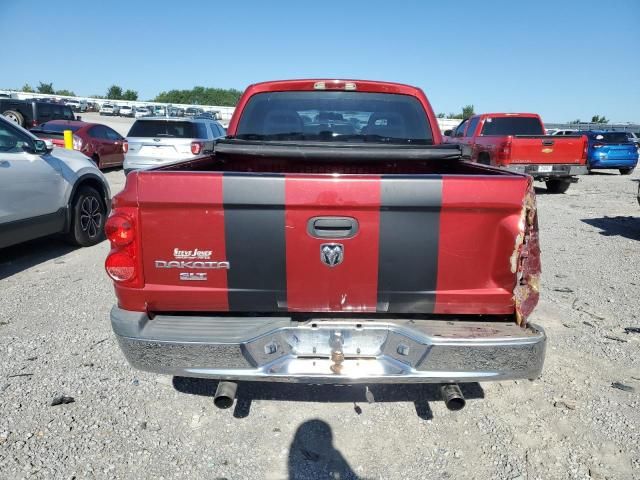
{"points": [[326, 350]]}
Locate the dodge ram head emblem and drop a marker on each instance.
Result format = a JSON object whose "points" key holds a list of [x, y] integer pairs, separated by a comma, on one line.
{"points": [[332, 254]]}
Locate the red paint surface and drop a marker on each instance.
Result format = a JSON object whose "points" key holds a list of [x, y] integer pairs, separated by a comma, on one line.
{"points": [[184, 212], [312, 285], [478, 227]]}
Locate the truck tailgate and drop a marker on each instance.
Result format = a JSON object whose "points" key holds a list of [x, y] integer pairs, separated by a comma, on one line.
{"points": [[396, 244], [548, 149]]}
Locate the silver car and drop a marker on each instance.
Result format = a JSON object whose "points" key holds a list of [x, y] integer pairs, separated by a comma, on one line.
{"points": [[46, 190], [155, 141]]}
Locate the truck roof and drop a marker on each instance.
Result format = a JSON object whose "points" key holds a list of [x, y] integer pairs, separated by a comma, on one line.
{"points": [[332, 84]]}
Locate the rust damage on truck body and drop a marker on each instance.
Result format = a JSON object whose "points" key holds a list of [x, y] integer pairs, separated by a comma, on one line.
{"points": [[525, 260]]}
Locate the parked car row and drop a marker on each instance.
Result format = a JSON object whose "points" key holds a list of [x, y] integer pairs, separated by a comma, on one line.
{"points": [[151, 141]]}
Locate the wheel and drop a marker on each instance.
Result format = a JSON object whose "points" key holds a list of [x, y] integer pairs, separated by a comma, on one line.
{"points": [[96, 160], [88, 214], [557, 186], [626, 171], [15, 117]]}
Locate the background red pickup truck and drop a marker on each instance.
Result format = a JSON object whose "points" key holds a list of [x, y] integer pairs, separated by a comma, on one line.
{"points": [[517, 142], [331, 238]]}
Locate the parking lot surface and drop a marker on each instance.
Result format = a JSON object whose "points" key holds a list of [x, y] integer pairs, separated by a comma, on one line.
{"points": [[581, 419]]}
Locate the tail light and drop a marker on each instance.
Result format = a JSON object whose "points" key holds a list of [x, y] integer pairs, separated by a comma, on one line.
{"points": [[504, 152], [123, 264], [125, 147], [121, 267], [34, 123], [119, 230], [77, 143], [196, 147]]}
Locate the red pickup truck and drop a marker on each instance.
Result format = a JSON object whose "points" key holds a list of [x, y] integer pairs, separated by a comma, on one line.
{"points": [[330, 238], [517, 142]]}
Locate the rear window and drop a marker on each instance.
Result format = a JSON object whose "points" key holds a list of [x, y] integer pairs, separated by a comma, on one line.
{"points": [[335, 116], [612, 137], [146, 128], [512, 126], [57, 127]]}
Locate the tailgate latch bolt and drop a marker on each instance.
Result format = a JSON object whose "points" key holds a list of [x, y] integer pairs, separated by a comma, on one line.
{"points": [[270, 348], [403, 349]]}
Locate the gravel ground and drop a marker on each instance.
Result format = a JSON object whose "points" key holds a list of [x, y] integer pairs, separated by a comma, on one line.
{"points": [[55, 340]]}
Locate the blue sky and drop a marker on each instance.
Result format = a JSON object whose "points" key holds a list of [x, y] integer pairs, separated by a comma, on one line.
{"points": [[562, 59]]}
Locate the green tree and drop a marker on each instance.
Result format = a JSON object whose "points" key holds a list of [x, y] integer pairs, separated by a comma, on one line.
{"points": [[114, 92], [467, 111], [66, 93], [440, 115], [27, 88], [599, 119], [575, 122], [46, 88], [130, 95], [454, 115], [201, 96]]}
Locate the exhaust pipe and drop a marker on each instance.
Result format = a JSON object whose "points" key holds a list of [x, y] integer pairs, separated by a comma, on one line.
{"points": [[452, 396], [225, 394]]}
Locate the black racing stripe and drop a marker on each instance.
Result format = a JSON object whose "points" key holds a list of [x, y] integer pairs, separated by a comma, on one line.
{"points": [[255, 241], [408, 250]]}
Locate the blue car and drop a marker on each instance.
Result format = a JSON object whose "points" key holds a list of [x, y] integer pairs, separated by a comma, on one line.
{"points": [[612, 150]]}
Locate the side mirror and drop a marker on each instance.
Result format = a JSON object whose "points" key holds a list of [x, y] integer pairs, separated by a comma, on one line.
{"points": [[78, 117], [40, 147], [447, 133]]}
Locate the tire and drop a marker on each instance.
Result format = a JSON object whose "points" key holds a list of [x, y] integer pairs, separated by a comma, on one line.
{"points": [[88, 215], [626, 171], [557, 186], [15, 117]]}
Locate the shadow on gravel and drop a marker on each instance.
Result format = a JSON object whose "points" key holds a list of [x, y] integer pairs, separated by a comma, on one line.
{"points": [[628, 227], [28, 254], [312, 454], [418, 394]]}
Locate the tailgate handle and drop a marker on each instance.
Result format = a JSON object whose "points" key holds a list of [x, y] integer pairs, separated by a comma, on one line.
{"points": [[547, 143], [332, 227]]}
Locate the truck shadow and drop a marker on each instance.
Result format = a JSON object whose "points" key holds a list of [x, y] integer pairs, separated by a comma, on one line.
{"points": [[25, 255], [420, 394], [628, 227]]}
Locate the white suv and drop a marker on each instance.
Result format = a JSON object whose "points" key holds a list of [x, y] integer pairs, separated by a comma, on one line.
{"points": [[155, 141], [44, 191]]}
